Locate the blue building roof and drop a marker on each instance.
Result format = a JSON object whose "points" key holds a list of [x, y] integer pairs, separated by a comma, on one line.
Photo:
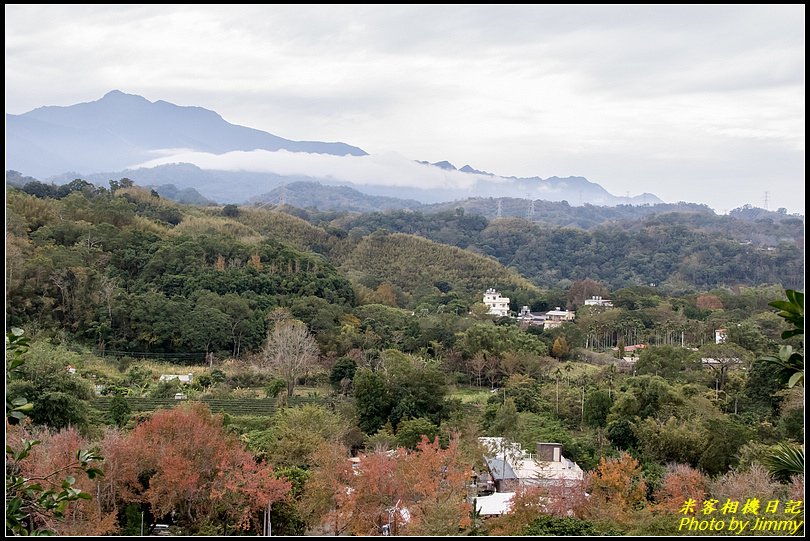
{"points": [[500, 469]]}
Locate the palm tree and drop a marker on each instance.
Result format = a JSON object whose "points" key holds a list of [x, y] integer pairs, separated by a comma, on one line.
{"points": [[784, 461], [557, 376], [611, 375]]}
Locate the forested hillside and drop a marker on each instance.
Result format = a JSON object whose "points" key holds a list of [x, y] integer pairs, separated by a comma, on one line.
{"points": [[129, 271], [220, 361], [675, 251]]}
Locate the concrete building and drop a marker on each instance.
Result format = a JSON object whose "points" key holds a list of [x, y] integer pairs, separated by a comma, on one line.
{"points": [[498, 306], [510, 466], [527, 317], [596, 300], [556, 317]]}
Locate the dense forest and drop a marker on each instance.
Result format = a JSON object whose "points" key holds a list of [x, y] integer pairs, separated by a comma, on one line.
{"points": [[319, 344]]}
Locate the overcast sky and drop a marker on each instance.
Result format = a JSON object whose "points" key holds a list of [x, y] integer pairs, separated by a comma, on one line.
{"points": [[692, 103]]}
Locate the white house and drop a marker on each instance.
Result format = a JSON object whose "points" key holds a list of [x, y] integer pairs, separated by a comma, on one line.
{"points": [[527, 317], [596, 300], [510, 466], [556, 317], [720, 336], [182, 378], [498, 306]]}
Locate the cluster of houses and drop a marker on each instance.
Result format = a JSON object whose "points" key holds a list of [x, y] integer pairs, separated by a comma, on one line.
{"points": [[499, 306]]}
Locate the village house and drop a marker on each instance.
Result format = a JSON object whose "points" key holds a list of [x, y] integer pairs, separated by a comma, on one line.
{"points": [[631, 352], [510, 467], [556, 317], [596, 300], [528, 318], [182, 378], [498, 306]]}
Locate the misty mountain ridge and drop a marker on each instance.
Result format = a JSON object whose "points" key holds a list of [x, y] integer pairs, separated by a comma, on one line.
{"points": [[303, 194], [102, 139], [121, 129]]}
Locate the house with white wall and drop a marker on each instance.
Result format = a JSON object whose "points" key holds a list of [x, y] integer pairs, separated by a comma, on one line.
{"points": [[498, 306], [596, 300], [556, 317]]}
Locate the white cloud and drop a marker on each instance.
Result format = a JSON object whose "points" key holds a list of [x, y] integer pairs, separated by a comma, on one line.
{"points": [[389, 169]]}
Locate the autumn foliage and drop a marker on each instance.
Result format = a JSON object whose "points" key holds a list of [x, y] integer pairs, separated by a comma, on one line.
{"points": [[617, 488], [680, 483], [421, 492], [181, 460], [56, 453], [561, 500]]}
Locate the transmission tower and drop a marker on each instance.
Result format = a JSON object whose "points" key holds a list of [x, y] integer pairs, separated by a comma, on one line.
{"points": [[766, 200], [530, 212], [499, 212]]}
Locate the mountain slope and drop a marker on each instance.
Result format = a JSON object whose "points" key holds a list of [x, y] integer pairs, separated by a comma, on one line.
{"points": [[412, 263], [121, 130], [315, 194]]}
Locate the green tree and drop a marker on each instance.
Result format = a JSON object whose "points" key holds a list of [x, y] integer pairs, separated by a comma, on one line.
{"points": [[666, 361], [596, 408], [506, 420], [343, 371], [564, 526], [372, 400], [410, 432], [295, 435], [725, 438], [60, 398], [119, 410]]}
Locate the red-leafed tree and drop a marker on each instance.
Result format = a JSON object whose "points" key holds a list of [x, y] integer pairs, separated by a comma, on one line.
{"points": [[181, 462], [328, 496], [421, 492], [48, 464], [377, 493], [436, 481], [680, 483]]}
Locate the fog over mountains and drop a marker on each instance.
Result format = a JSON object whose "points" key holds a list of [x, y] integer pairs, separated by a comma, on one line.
{"points": [[158, 143]]}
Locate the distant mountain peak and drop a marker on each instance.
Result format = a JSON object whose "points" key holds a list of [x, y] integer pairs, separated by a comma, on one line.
{"points": [[468, 169], [117, 94], [444, 164], [121, 130]]}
